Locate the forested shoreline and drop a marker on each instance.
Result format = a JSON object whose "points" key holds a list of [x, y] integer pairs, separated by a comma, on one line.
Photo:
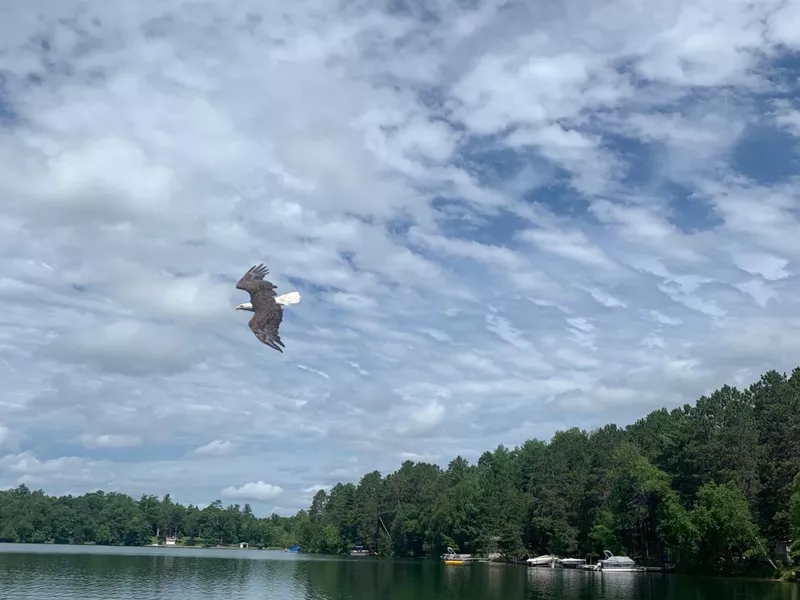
{"points": [[709, 486]]}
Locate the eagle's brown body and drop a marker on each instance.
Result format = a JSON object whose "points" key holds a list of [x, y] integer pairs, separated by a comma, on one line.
{"points": [[268, 313]]}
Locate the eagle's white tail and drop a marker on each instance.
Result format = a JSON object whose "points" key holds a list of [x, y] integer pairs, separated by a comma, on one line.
{"points": [[290, 298]]}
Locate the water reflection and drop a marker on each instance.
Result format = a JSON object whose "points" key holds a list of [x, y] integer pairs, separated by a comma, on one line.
{"points": [[619, 586], [92, 577], [547, 583], [551, 584], [145, 575], [401, 580]]}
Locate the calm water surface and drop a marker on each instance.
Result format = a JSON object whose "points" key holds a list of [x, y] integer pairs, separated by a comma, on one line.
{"points": [[100, 573]]}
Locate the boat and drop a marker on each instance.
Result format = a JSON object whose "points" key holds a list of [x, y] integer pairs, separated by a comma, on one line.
{"points": [[293, 549], [617, 564], [451, 557], [545, 560], [360, 551], [572, 563]]}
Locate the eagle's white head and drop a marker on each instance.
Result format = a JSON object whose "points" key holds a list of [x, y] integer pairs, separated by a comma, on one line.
{"points": [[245, 306]]}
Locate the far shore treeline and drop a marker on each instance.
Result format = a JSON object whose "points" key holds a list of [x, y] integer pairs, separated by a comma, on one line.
{"points": [[706, 487]]}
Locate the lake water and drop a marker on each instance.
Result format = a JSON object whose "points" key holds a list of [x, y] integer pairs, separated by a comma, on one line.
{"points": [[102, 573]]}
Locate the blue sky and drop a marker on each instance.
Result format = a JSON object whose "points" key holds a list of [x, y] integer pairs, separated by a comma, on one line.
{"points": [[504, 218]]}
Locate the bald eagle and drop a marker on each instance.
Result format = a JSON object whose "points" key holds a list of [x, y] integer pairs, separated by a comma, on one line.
{"points": [[268, 307]]}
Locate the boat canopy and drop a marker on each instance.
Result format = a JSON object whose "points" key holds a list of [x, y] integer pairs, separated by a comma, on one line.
{"points": [[617, 560]]}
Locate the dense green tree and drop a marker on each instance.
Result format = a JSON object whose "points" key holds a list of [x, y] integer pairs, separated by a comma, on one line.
{"points": [[776, 404], [794, 518], [725, 526]]}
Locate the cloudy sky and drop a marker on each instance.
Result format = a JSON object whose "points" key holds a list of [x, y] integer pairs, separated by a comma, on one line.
{"points": [[505, 218]]}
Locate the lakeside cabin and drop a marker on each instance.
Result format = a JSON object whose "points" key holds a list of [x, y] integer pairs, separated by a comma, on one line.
{"points": [[782, 550]]}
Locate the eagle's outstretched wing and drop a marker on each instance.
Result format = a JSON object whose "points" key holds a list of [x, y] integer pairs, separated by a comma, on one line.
{"points": [[262, 292], [265, 324]]}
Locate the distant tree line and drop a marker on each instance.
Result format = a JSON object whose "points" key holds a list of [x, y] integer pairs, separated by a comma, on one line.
{"points": [[704, 486], [118, 520]]}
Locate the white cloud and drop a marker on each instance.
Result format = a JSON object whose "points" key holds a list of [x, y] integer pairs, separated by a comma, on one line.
{"points": [[315, 371], [109, 440], [759, 290], [769, 266], [662, 318], [252, 492], [422, 420], [495, 211], [5, 435], [26, 467], [507, 332], [569, 244], [790, 120], [216, 448], [606, 299]]}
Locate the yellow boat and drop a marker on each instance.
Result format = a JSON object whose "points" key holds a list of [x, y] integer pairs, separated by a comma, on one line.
{"points": [[454, 558]]}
